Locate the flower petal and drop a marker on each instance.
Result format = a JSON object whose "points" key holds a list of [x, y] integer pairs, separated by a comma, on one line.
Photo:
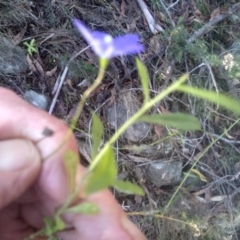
{"points": [[105, 46], [84, 31], [127, 44], [100, 42]]}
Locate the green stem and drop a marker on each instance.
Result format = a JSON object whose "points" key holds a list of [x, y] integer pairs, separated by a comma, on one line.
{"points": [[135, 117], [86, 94]]}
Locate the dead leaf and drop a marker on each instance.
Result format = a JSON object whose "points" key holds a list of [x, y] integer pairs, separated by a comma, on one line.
{"points": [[163, 110], [227, 134], [217, 120], [18, 38], [35, 66], [113, 96], [84, 84], [159, 130], [39, 68], [133, 24], [215, 13], [30, 64], [69, 83], [154, 44], [138, 159], [138, 199], [218, 198], [51, 72]]}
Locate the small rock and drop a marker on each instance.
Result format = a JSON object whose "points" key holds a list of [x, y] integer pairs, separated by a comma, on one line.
{"points": [[37, 100], [117, 114], [12, 58], [165, 173]]}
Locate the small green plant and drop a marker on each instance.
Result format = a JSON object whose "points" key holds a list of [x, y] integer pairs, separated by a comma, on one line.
{"points": [[31, 46]]}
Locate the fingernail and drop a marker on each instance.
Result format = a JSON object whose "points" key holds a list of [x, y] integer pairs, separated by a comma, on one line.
{"points": [[17, 154], [133, 231]]}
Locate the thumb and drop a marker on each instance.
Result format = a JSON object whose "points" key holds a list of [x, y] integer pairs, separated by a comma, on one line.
{"points": [[19, 167]]}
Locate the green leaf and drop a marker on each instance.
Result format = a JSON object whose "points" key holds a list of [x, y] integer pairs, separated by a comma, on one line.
{"points": [[211, 96], [48, 226], [53, 225], [103, 174], [97, 132], [201, 176], [180, 121], [84, 208], [59, 224], [143, 74], [71, 162], [127, 187], [31, 47]]}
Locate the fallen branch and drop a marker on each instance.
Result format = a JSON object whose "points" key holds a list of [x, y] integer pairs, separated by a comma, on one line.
{"points": [[154, 27], [207, 27]]}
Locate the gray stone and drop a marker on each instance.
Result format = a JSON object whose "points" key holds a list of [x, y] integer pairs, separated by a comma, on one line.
{"points": [[165, 173], [37, 100], [12, 58], [126, 104]]}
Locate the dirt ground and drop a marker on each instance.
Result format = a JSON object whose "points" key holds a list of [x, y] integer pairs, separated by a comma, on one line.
{"points": [[37, 39]]}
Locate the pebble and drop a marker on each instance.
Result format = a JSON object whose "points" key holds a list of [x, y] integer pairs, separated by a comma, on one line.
{"points": [[165, 173], [38, 100]]}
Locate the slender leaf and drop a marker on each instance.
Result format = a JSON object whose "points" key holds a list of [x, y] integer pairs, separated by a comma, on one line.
{"points": [[201, 176], [211, 96], [128, 187], [71, 162], [48, 229], [53, 225], [84, 208], [143, 74], [180, 121], [104, 174], [59, 224], [97, 132]]}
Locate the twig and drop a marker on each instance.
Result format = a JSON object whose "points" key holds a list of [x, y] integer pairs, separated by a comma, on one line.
{"points": [[225, 139], [168, 13], [62, 78], [213, 22], [230, 142], [213, 79], [151, 22], [171, 6]]}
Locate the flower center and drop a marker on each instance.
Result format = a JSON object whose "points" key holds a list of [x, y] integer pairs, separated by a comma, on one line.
{"points": [[108, 39]]}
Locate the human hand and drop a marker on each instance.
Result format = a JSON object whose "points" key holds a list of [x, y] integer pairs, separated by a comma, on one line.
{"points": [[31, 189]]}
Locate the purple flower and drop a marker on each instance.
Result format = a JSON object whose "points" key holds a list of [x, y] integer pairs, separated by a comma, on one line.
{"points": [[105, 46]]}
